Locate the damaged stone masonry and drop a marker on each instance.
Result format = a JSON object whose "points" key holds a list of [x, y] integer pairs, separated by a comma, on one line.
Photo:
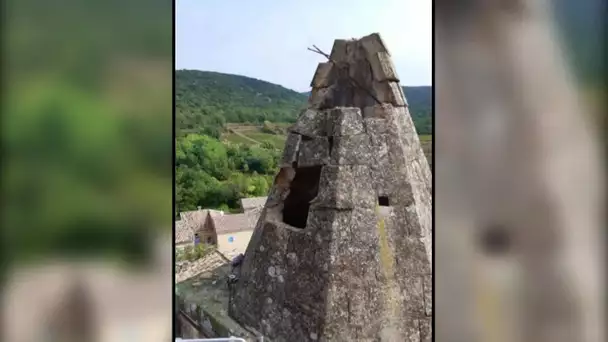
{"points": [[342, 249]]}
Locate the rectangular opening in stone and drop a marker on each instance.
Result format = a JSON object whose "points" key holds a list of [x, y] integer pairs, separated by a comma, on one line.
{"points": [[383, 201], [302, 190]]}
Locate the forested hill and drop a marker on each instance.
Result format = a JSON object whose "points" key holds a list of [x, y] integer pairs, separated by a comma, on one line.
{"points": [[420, 103], [205, 101]]}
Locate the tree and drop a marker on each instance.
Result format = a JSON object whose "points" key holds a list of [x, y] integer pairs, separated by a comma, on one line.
{"points": [[206, 153]]}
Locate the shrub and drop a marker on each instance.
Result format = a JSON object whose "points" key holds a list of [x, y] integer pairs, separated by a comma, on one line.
{"points": [[192, 253]]}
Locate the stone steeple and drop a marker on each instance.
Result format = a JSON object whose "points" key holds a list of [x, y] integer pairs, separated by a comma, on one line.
{"points": [[342, 250]]}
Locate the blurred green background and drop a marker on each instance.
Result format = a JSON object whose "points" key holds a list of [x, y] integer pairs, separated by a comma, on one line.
{"points": [[87, 121], [86, 127]]}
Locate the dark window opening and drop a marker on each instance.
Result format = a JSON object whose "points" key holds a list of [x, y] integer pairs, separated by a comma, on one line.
{"points": [[330, 140], [302, 190], [383, 201], [210, 240], [306, 138], [495, 240]]}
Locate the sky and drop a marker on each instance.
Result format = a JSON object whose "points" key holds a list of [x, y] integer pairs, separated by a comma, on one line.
{"points": [[268, 39]]}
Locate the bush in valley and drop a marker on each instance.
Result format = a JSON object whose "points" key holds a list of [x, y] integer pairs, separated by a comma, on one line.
{"points": [[193, 253], [214, 175]]}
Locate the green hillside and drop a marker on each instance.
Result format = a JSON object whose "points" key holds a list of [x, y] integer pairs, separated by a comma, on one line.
{"points": [[205, 101], [420, 101], [581, 24], [231, 131]]}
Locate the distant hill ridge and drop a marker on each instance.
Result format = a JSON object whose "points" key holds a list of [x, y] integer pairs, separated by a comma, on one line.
{"points": [[205, 101]]}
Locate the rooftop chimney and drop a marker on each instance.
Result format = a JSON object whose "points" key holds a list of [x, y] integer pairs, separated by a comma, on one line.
{"points": [[342, 249]]}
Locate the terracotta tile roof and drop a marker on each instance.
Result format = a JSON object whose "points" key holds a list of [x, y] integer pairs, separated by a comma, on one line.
{"points": [[208, 263], [195, 218], [231, 223], [253, 202], [183, 233], [191, 222]]}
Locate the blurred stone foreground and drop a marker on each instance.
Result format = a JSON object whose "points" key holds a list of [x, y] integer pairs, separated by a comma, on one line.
{"points": [[93, 301], [519, 187]]}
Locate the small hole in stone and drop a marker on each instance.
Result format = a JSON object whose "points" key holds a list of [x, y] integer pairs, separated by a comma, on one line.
{"points": [[302, 190], [306, 138], [495, 240], [383, 201]]}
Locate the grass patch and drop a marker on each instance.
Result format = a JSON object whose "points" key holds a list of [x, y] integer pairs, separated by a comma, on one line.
{"points": [[277, 141], [236, 139], [426, 138], [252, 132], [192, 253]]}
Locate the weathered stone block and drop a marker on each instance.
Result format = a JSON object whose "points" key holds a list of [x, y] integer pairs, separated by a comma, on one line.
{"points": [[412, 255], [338, 51], [381, 167], [399, 119], [426, 333], [310, 123], [276, 196], [373, 44], [335, 188], [313, 151], [413, 295], [321, 98], [344, 187], [401, 93], [360, 71], [379, 111], [411, 331], [351, 150], [389, 92], [362, 98], [323, 75], [375, 126], [290, 153], [340, 96], [383, 68], [307, 274], [427, 285], [352, 48], [344, 121], [364, 195], [421, 226]]}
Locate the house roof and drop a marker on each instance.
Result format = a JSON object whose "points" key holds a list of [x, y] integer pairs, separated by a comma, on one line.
{"points": [[195, 217], [207, 263], [253, 202], [191, 222], [183, 232], [232, 223]]}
